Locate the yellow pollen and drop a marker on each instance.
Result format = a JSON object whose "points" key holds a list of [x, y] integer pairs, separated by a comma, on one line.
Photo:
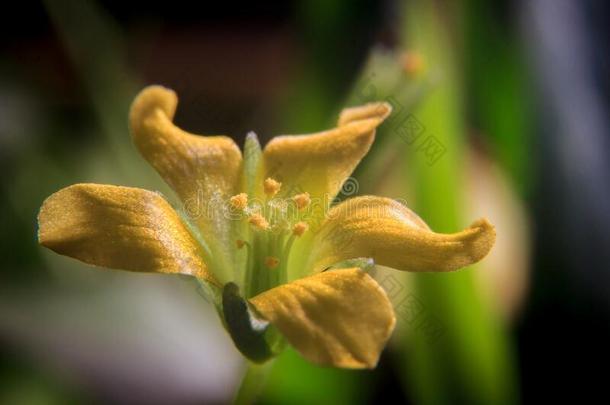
{"points": [[271, 262], [240, 243], [259, 221], [301, 200], [271, 186], [239, 201], [299, 228]]}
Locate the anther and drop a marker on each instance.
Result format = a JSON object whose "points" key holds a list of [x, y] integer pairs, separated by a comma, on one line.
{"points": [[299, 228], [240, 243], [239, 201], [301, 200], [259, 221], [412, 63], [271, 262], [271, 186]]}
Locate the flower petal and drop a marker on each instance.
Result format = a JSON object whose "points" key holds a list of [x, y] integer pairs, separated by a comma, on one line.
{"points": [[319, 163], [340, 318], [394, 236], [120, 227], [203, 170]]}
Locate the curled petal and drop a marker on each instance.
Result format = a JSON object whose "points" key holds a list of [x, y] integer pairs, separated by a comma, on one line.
{"points": [[203, 170], [368, 111], [319, 163], [119, 227], [339, 318], [391, 234]]}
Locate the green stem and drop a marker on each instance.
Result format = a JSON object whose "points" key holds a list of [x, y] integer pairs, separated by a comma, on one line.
{"points": [[252, 384]]}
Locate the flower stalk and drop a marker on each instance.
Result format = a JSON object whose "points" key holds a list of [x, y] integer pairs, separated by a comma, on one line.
{"points": [[252, 383]]}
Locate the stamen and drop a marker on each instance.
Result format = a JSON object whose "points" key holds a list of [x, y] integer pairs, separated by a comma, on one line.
{"points": [[259, 221], [271, 262], [240, 243], [239, 201], [271, 186], [301, 200], [299, 228]]}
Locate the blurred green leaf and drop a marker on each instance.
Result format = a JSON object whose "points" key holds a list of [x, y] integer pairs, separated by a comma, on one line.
{"points": [[502, 105], [471, 362]]}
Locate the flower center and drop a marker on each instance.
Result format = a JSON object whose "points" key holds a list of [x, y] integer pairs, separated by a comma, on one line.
{"points": [[273, 225]]}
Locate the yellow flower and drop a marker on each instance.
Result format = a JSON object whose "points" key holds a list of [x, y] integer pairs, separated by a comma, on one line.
{"points": [[260, 234]]}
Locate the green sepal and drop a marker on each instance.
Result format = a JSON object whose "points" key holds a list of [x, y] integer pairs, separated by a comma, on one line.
{"points": [[366, 264], [209, 292], [246, 329]]}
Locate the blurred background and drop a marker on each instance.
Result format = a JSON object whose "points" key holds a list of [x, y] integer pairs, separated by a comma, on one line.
{"points": [[500, 110]]}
